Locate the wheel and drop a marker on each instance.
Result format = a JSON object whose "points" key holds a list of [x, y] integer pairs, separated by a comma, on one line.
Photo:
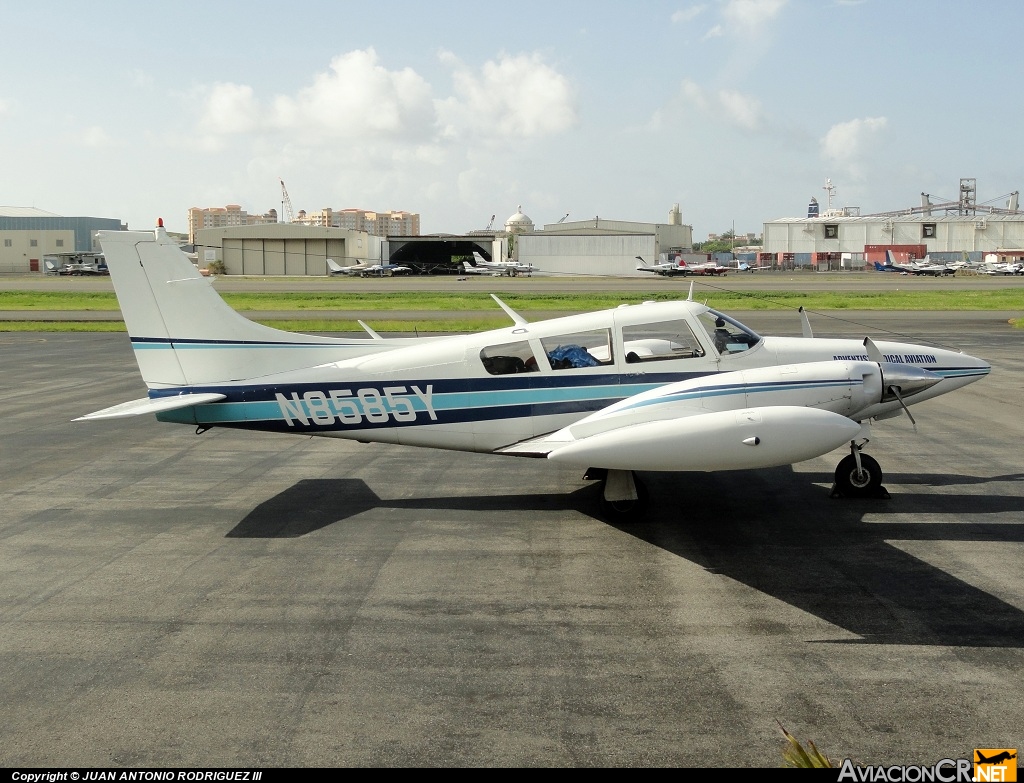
{"points": [[854, 484], [625, 512], [513, 272]]}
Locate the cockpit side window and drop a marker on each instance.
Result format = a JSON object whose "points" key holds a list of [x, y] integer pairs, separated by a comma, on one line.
{"points": [[509, 358], [660, 341], [729, 336], [582, 349]]}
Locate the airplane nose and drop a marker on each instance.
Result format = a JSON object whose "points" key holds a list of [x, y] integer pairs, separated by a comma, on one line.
{"points": [[906, 379]]}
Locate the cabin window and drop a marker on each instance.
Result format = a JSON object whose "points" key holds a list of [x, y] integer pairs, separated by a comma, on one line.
{"points": [[660, 341], [729, 336], [582, 349], [509, 359], [928, 231], [831, 231]]}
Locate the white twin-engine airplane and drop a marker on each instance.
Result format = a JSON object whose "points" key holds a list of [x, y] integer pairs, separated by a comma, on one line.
{"points": [[671, 386]]}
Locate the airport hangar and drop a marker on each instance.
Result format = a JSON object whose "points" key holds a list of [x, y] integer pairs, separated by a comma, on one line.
{"points": [[293, 249], [28, 234], [595, 246], [946, 232]]}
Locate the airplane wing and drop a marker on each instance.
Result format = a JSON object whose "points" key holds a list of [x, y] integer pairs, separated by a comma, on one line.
{"points": [[152, 405], [704, 424]]}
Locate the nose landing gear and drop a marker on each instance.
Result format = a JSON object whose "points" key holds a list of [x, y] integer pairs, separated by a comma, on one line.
{"points": [[858, 476]]}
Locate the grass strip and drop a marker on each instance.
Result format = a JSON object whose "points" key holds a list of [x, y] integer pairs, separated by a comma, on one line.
{"points": [[970, 299]]}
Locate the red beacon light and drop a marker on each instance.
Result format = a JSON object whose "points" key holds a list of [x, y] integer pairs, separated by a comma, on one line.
{"points": [[159, 222]]}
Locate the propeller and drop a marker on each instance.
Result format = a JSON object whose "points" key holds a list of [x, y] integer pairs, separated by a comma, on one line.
{"points": [[900, 379]]}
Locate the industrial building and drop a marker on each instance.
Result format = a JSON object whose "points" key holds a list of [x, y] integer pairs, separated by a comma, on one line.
{"points": [[946, 231], [28, 234], [598, 246]]}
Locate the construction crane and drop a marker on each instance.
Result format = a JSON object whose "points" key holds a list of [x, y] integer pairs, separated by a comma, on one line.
{"points": [[287, 214], [490, 224]]}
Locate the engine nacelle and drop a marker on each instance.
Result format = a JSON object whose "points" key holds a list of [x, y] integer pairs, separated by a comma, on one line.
{"points": [[726, 440]]}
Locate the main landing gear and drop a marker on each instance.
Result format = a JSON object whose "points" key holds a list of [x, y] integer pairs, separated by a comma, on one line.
{"points": [[858, 475], [624, 496]]}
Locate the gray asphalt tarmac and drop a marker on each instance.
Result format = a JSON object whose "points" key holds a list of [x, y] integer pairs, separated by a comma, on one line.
{"points": [[236, 599]]}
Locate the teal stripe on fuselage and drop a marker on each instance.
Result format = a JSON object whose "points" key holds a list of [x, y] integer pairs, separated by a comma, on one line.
{"points": [[233, 346], [269, 410]]}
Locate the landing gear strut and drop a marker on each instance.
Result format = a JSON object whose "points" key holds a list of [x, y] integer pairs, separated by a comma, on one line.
{"points": [[624, 497], [858, 476]]}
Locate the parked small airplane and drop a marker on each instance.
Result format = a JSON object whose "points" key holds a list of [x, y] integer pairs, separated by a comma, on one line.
{"points": [[710, 268], [75, 264], [744, 266], [478, 265], [384, 270], [674, 266], [1000, 268], [669, 268], [922, 267], [363, 269], [670, 386], [334, 268]]}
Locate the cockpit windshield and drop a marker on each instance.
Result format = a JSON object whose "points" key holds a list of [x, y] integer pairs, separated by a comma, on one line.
{"points": [[728, 335]]}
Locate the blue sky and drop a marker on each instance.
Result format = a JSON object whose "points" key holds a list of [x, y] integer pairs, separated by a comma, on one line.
{"points": [[738, 110]]}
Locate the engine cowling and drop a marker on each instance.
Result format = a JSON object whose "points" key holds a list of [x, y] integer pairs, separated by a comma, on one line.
{"points": [[725, 440]]}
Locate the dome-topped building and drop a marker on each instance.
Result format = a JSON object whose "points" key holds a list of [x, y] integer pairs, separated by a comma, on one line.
{"points": [[519, 223]]}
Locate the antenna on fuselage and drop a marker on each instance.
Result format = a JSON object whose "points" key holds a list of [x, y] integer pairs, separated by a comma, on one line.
{"points": [[369, 331], [805, 323], [689, 297], [519, 320]]}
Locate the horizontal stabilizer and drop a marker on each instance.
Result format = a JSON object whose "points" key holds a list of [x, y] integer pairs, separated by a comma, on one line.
{"points": [[152, 405]]}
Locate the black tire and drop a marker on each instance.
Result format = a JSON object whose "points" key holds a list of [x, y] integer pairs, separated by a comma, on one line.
{"points": [[626, 512], [864, 484]]}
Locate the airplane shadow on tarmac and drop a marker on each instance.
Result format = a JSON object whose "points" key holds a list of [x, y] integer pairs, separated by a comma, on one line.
{"points": [[772, 530]]}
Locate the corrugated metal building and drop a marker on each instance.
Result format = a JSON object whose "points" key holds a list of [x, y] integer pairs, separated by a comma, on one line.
{"points": [[284, 248], [27, 234], [605, 254], [939, 235], [602, 247]]}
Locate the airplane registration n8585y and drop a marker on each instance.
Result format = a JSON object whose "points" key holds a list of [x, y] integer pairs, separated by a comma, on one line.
{"points": [[670, 386]]}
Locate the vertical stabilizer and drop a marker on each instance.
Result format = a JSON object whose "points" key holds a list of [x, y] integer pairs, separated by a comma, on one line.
{"points": [[183, 333]]}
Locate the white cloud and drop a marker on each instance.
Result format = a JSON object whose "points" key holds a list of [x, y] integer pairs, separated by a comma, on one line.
{"points": [[751, 14], [513, 97], [229, 109], [692, 93], [714, 32], [358, 97], [845, 143], [687, 14], [739, 110], [355, 98], [742, 110], [358, 100]]}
